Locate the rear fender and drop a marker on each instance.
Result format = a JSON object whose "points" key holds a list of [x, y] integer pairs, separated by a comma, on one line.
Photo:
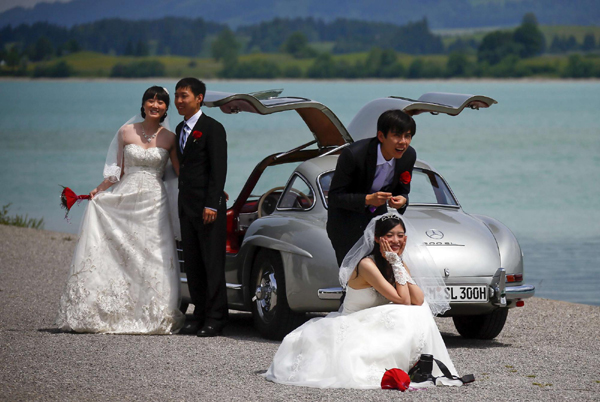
{"points": [[252, 245], [511, 256]]}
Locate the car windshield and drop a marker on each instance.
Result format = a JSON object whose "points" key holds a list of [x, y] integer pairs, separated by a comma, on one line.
{"points": [[426, 188]]}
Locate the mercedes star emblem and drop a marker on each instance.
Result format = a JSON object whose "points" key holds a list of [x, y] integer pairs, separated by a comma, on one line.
{"points": [[435, 234]]}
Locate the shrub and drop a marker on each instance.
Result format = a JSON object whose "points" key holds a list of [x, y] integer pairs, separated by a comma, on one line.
{"points": [[57, 70], [292, 72], [578, 67], [18, 220]]}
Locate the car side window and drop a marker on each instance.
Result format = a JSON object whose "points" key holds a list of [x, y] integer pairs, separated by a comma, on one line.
{"points": [[325, 183], [428, 188], [298, 195]]}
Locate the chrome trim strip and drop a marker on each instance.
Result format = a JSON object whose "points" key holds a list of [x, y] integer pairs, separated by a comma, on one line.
{"points": [[512, 292], [182, 280], [330, 293], [434, 205], [334, 150], [299, 148], [519, 292], [233, 286]]}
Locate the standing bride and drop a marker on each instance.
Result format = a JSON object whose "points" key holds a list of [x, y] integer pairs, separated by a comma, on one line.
{"points": [[124, 275], [386, 320]]}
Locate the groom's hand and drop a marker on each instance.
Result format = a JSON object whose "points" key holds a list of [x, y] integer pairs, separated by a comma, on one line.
{"points": [[397, 202], [209, 216], [377, 199]]}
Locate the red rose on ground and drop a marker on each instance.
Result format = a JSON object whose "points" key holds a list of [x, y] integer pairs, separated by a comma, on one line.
{"points": [[197, 134], [405, 177]]}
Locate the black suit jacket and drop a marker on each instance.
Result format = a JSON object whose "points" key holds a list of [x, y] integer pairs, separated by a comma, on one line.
{"points": [[347, 214], [202, 167]]}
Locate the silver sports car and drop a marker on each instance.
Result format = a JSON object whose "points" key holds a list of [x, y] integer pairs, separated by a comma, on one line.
{"points": [[280, 262]]}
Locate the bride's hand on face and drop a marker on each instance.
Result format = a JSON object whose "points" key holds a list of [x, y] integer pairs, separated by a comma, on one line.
{"points": [[384, 246]]}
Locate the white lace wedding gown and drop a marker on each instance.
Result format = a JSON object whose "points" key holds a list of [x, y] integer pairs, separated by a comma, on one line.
{"points": [[124, 275], [353, 349]]}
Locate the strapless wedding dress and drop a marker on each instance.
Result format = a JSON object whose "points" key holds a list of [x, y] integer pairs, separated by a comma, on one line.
{"points": [[124, 276], [353, 349]]}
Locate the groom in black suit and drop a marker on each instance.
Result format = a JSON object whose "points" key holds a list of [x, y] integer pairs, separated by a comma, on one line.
{"points": [[202, 154], [369, 174]]}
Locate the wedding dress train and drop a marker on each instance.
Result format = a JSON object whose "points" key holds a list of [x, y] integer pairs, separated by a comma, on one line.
{"points": [[124, 275], [353, 349]]}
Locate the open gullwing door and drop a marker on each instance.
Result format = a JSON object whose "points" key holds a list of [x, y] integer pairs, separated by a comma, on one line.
{"points": [[327, 129], [364, 124]]}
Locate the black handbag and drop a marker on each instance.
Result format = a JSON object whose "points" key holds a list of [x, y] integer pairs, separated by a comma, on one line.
{"points": [[423, 368]]}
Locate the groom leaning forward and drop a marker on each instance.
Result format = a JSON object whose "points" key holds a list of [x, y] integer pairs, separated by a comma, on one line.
{"points": [[369, 174], [202, 153]]}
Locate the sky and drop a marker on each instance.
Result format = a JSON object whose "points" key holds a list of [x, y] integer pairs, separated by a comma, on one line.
{"points": [[8, 4]]}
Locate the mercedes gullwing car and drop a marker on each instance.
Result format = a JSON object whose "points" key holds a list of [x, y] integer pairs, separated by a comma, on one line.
{"points": [[280, 263]]}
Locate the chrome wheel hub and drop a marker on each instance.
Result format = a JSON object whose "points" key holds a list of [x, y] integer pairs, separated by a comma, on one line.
{"points": [[265, 295]]}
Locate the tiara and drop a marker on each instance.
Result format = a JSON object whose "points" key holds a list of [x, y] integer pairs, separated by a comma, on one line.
{"points": [[389, 216]]}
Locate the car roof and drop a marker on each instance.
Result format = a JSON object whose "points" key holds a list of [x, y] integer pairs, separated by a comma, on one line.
{"points": [[364, 124], [316, 166], [327, 129]]}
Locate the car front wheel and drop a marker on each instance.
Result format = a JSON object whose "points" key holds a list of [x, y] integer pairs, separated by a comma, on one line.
{"points": [[272, 315], [486, 326]]}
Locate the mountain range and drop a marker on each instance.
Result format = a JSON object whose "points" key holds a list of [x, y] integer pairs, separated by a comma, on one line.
{"points": [[441, 14]]}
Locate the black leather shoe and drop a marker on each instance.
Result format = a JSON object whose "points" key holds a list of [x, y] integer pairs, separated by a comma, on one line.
{"points": [[208, 331], [190, 328]]}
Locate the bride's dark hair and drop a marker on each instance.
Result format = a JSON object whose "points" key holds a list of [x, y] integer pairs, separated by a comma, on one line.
{"points": [[161, 94], [382, 227]]}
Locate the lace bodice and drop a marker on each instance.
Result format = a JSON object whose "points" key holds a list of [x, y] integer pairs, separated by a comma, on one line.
{"points": [[151, 160]]}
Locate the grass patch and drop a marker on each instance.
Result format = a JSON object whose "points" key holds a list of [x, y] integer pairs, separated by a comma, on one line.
{"points": [[92, 64], [19, 220]]}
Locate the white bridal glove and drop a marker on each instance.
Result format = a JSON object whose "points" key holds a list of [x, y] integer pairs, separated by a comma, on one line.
{"points": [[400, 274]]}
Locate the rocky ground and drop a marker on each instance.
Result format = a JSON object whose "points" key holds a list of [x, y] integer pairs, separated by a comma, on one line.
{"points": [[548, 350]]}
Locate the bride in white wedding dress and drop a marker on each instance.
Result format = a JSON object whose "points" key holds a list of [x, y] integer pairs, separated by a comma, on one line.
{"points": [[385, 322], [124, 276]]}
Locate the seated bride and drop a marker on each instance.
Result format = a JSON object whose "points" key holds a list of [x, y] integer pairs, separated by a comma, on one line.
{"points": [[386, 320]]}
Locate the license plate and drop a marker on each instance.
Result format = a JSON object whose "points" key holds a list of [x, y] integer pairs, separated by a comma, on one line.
{"points": [[465, 294]]}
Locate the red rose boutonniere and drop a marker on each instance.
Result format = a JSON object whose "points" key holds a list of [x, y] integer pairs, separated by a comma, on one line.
{"points": [[405, 177], [197, 135]]}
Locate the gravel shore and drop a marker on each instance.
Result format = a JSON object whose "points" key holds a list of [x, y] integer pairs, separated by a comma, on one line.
{"points": [[548, 350]]}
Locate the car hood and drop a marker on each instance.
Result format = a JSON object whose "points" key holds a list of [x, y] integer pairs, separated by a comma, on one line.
{"points": [[327, 129], [459, 243]]}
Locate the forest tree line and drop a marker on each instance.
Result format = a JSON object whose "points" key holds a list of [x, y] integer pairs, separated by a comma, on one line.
{"points": [[497, 54]]}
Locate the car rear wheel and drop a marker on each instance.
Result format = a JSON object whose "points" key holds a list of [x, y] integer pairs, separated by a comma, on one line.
{"points": [[272, 315], [486, 326]]}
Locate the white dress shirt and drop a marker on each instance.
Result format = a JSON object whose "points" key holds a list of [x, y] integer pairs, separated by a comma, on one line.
{"points": [[384, 172], [187, 127]]}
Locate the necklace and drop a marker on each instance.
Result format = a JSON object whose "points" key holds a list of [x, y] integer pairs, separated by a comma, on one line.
{"points": [[149, 139]]}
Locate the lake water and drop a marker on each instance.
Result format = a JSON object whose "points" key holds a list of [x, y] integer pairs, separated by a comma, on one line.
{"points": [[532, 161]]}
